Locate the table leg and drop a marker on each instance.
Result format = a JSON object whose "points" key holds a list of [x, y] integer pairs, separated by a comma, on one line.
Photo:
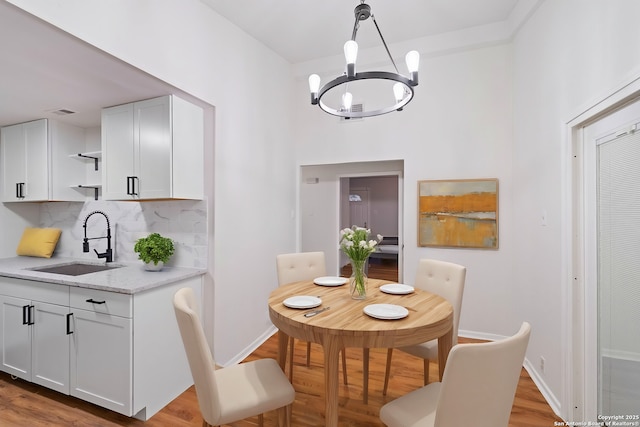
{"points": [[365, 375], [444, 347], [283, 341], [331, 359]]}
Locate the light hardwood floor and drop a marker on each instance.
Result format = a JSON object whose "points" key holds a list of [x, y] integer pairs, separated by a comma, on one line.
{"points": [[23, 404], [26, 405]]}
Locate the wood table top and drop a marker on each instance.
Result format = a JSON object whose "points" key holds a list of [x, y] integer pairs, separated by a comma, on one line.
{"points": [[430, 315]]}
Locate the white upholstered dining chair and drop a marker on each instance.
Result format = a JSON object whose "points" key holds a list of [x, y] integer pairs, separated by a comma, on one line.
{"points": [[441, 278], [477, 389], [295, 267], [233, 393]]}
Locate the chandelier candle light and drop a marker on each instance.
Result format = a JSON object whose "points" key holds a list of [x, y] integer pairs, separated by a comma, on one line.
{"points": [[355, 244], [401, 93]]}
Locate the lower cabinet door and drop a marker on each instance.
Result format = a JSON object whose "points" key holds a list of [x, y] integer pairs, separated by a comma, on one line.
{"points": [[15, 336], [101, 360], [50, 346]]}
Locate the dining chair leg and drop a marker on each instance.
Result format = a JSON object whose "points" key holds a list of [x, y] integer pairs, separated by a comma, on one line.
{"points": [[291, 359], [261, 420], [308, 353], [365, 375], [387, 371], [426, 371], [344, 367]]}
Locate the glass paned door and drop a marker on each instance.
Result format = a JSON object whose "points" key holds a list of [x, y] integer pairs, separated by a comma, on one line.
{"points": [[618, 251]]}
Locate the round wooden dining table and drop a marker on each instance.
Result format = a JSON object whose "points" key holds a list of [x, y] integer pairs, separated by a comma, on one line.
{"points": [[344, 324]]}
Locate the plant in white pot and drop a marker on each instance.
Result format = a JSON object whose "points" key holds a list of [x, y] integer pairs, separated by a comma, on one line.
{"points": [[154, 250]]}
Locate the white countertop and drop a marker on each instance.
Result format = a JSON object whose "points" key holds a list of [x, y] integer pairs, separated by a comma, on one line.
{"points": [[126, 279]]}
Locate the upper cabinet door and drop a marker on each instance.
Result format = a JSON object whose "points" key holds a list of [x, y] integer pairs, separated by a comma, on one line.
{"points": [[37, 155], [13, 172], [117, 151], [25, 167], [152, 142]]}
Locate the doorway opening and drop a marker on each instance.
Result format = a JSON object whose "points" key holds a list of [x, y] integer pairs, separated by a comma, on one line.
{"points": [[324, 206], [373, 202]]}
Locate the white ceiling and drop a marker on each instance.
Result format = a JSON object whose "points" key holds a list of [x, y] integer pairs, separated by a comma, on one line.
{"points": [[44, 69], [302, 30]]}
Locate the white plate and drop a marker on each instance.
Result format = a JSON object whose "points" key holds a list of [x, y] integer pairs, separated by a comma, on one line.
{"points": [[396, 288], [386, 311], [330, 281], [302, 301]]}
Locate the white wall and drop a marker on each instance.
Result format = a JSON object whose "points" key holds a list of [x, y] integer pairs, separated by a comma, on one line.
{"points": [[189, 46], [14, 217], [571, 54]]}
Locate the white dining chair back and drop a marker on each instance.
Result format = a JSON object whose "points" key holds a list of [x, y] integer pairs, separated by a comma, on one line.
{"points": [[447, 280], [295, 267], [233, 393], [477, 389]]}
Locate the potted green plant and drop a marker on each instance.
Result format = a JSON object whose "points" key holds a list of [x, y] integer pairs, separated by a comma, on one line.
{"points": [[154, 250]]}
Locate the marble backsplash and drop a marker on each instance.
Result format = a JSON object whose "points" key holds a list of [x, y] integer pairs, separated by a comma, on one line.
{"points": [[184, 221]]}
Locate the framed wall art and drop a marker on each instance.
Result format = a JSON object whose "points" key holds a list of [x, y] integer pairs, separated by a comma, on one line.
{"points": [[458, 213]]}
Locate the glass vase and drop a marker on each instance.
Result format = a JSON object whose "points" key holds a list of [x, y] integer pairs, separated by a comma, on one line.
{"points": [[358, 280]]}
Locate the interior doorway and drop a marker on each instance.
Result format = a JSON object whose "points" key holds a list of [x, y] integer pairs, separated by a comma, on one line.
{"points": [[373, 202], [323, 196]]}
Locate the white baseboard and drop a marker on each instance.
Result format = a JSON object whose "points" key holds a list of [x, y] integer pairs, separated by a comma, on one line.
{"points": [[551, 399], [252, 346]]}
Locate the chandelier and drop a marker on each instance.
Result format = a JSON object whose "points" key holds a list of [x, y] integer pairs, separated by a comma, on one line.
{"points": [[335, 97]]}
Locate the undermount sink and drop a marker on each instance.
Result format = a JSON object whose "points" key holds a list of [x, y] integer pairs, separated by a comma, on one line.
{"points": [[75, 269]]}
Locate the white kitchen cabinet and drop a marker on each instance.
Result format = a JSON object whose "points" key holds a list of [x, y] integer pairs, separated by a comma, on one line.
{"points": [[34, 335], [153, 149], [16, 337], [120, 351], [101, 349], [50, 346], [35, 162]]}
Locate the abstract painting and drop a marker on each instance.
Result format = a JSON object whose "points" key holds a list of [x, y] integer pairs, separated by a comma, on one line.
{"points": [[458, 213]]}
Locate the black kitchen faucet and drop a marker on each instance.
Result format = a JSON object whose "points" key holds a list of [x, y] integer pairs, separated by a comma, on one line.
{"points": [[85, 244]]}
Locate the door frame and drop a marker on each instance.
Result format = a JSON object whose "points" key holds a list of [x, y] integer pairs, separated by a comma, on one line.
{"points": [[575, 259], [400, 202]]}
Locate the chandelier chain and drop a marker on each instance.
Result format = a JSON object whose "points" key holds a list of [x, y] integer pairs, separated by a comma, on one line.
{"points": [[384, 43]]}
